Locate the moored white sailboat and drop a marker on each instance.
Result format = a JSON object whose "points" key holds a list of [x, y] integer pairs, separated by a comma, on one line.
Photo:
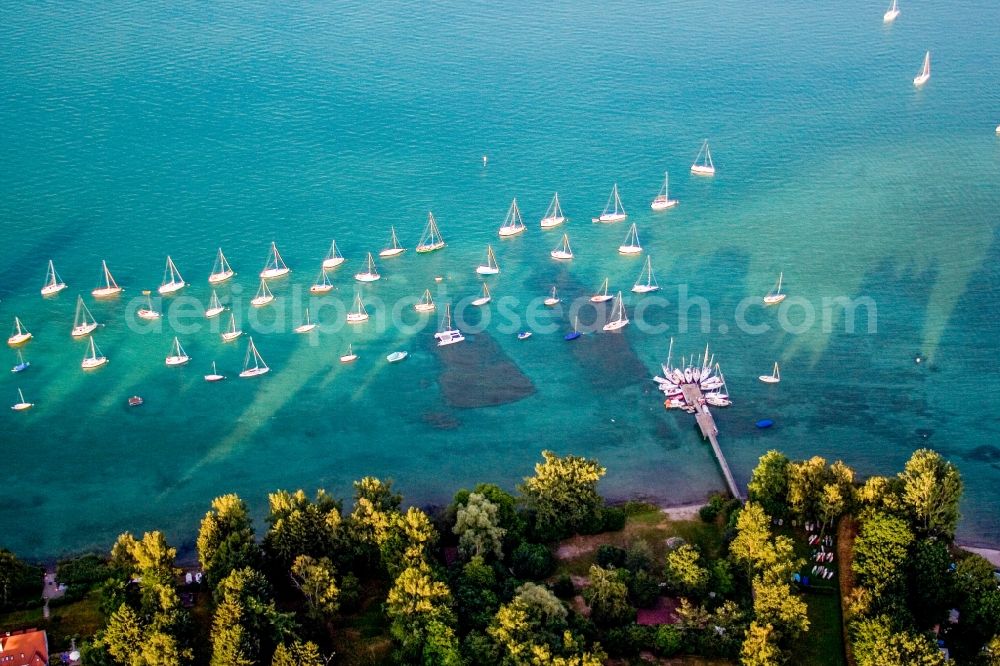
{"points": [[370, 274], [552, 299], [646, 281], [394, 248], [484, 298], [772, 378], [703, 164], [663, 200], [110, 287], [83, 322], [322, 284], [93, 358], [563, 251], [253, 362], [618, 319], [177, 355], [350, 356], [513, 224], [19, 335], [232, 332], [172, 280], [214, 376], [53, 283], [891, 13], [22, 404], [147, 312], [333, 257], [359, 313], [491, 267], [431, 239], [925, 72], [553, 214], [307, 326], [775, 296], [426, 303], [221, 270], [631, 244], [215, 307], [602, 294], [614, 211], [264, 295], [447, 335], [275, 266]]}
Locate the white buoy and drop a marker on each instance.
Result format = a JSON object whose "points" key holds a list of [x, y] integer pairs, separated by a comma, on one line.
{"points": [[485, 160]]}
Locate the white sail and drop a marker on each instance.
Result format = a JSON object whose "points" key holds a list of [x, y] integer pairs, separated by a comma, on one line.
{"points": [[891, 14], [393, 248], [614, 211], [775, 296], [618, 318], [215, 307], [172, 280], [925, 71], [647, 281], [512, 223], [703, 165], [562, 251], [83, 322], [631, 244], [53, 283], [491, 267], [275, 266], [110, 287], [221, 270], [253, 362], [553, 214], [663, 200], [333, 257], [772, 378], [431, 239]]}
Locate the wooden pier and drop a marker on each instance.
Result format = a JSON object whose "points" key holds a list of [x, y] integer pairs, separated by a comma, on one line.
{"points": [[694, 398]]}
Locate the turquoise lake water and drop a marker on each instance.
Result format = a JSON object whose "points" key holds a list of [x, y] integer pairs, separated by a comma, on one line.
{"points": [[132, 130]]}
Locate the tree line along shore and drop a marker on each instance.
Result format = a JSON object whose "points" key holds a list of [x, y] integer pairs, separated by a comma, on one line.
{"points": [[816, 567]]}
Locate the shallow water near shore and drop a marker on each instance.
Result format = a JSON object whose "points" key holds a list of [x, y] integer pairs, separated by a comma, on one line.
{"points": [[136, 130]]}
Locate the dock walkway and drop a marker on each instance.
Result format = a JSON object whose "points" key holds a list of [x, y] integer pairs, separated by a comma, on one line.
{"points": [[694, 398]]}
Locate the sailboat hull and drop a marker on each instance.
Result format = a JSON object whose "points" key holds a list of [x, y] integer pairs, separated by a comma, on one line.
{"points": [[610, 218], [644, 288], [216, 278], [254, 372], [479, 302], [615, 325], [85, 329], [106, 292], [320, 288], [356, 318], [921, 79], [91, 363], [661, 203], [430, 247], [272, 273], [348, 358], [177, 360], [551, 302], [601, 298], [424, 307], [560, 255], [768, 379], [367, 277], [305, 328], [507, 232], [487, 270], [629, 249], [890, 16], [551, 222], [392, 252], [171, 287], [214, 378], [702, 170], [229, 336], [774, 300], [147, 314], [261, 301], [52, 289], [214, 312], [333, 262], [18, 339]]}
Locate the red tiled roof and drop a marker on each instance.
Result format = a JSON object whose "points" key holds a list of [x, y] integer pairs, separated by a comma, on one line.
{"points": [[25, 648]]}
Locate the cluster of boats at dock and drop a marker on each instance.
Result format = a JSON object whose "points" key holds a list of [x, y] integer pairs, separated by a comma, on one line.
{"points": [[703, 372]]}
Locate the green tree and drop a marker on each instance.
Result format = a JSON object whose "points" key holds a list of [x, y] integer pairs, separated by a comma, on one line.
{"points": [[832, 504], [930, 585], [776, 605], [932, 489], [477, 524], [882, 494], [607, 596], [246, 620], [407, 540], [769, 483], [752, 545], [978, 603], [415, 602], [533, 618], [441, 646], [685, 574], [123, 635], [316, 580], [880, 553], [18, 580], [476, 599], [806, 479], [760, 648], [226, 539], [300, 526], [562, 495], [297, 654], [371, 523], [877, 642]]}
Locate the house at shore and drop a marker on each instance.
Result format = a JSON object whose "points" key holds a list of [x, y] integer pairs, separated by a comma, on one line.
{"points": [[28, 647]]}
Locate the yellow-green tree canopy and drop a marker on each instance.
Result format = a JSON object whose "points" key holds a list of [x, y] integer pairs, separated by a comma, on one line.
{"points": [[562, 495]]}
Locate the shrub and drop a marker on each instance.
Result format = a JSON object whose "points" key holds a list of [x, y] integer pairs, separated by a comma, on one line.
{"points": [[563, 587], [532, 561], [716, 505], [613, 519], [84, 570], [643, 589], [639, 556], [667, 640], [629, 640], [611, 556]]}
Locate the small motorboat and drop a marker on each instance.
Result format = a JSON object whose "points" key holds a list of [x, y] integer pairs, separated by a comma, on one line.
{"points": [[135, 401], [764, 423], [396, 357], [524, 335]]}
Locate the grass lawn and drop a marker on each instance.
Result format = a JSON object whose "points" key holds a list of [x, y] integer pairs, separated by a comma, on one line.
{"points": [[823, 643], [80, 619]]}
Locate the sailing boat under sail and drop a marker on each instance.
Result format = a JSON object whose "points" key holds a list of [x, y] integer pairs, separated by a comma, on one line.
{"points": [[772, 378], [618, 318], [177, 355], [221, 270], [172, 280], [232, 332], [647, 281], [215, 307], [613, 210], [512, 224], [394, 247], [20, 334], [253, 363], [602, 294], [147, 312], [447, 335], [426, 303], [275, 266], [83, 322], [431, 239], [93, 358], [370, 274], [892, 12], [491, 267], [322, 285], [307, 326], [703, 165], [485, 298], [333, 257], [562, 251], [631, 244], [775, 296], [553, 214], [359, 313], [110, 287], [264, 295], [663, 200], [53, 283], [925, 72], [22, 404]]}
